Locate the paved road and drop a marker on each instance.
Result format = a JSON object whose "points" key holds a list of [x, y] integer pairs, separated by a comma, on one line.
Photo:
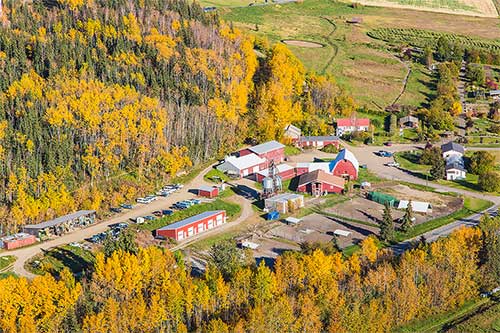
{"points": [[24, 254]]}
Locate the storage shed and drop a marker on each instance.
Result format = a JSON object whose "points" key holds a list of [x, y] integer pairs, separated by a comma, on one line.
{"points": [[208, 191], [193, 225], [16, 241], [271, 150], [284, 202], [417, 206], [382, 198], [319, 182], [62, 224]]}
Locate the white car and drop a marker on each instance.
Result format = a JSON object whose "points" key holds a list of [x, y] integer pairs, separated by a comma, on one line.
{"points": [[144, 200], [393, 164]]}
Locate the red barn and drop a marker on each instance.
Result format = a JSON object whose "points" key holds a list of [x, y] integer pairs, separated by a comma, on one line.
{"points": [[345, 165], [318, 141], [193, 225], [271, 150], [208, 191], [284, 171], [319, 182], [17, 240]]}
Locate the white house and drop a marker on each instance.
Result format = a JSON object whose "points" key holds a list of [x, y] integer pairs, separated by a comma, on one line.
{"points": [[452, 149], [243, 166], [455, 171]]}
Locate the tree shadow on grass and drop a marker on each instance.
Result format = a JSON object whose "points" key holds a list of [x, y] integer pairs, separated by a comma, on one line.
{"points": [[75, 263]]}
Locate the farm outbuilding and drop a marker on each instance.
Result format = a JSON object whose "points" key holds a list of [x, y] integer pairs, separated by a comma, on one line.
{"points": [[318, 141], [284, 202], [208, 191], [62, 224], [348, 125], [243, 166], [408, 122], [16, 241], [292, 132], [345, 165], [319, 182], [193, 225], [285, 171], [417, 206], [271, 150], [452, 149], [382, 198]]}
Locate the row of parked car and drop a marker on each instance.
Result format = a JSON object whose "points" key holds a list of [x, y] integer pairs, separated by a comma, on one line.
{"points": [[185, 204], [114, 232], [164, 192]]}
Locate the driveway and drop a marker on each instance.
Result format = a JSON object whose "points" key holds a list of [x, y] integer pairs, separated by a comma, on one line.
{"points": [[24, 254]]}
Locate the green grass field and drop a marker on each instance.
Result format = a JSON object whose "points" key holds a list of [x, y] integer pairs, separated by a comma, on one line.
{"points": [[6, 261], [53, 261], [362, 65]]}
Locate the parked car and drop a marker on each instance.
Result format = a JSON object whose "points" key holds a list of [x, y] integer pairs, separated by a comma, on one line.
{"points": [[119, 226], [149, 217], [151, 197], [180, 205], [195, 201], [163, 193], [126, 206], [178, 186], [384, 153], [116, 209], [157, 213], [393, 164], [388, 143], [167, 212], [143, 200]]}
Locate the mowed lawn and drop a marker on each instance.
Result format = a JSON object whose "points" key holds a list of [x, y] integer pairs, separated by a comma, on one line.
{"points": [[363, 66]]}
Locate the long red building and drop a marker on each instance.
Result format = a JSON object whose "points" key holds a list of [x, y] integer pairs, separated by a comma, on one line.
{"points": [[271, 150], [193, 225]]}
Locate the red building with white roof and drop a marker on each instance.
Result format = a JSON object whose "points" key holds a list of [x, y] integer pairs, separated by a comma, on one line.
{"points": [[348, 125], [193, 225], [243, 166], [271, 150], [284, 171], [318, 141]]}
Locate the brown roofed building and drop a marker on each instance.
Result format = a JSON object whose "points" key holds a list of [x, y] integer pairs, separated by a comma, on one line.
{"points": [[319, 182]]}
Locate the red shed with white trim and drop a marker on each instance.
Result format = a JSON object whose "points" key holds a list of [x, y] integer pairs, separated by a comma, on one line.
{"points": [[193, 225]]}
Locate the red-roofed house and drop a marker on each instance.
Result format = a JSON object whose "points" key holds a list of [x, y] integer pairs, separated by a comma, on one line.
{"points": [[347, 125]]}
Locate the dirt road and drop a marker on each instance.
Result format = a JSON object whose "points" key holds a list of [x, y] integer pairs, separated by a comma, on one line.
{"points": [[24, 254]]}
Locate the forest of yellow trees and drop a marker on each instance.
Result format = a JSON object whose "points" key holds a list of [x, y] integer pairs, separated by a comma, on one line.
{"points": [[101, 99], [153, 291]]}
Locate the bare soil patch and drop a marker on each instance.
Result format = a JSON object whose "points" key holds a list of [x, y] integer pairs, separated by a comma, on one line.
{"points": [[302, 43]]}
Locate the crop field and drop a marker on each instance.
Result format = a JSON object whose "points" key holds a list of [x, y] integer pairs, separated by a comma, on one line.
{"points": [[423, 38], [483, 8], [359, 63]]}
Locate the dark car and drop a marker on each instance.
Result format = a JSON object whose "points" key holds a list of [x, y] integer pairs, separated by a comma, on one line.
{"points": [[116, 209], [149, 217], [126, 206], [388, 143], [167, 212], [157, 213]]}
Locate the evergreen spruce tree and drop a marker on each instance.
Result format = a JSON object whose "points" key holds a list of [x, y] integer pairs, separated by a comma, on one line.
{"points": [[407, 222], [387, 225]]}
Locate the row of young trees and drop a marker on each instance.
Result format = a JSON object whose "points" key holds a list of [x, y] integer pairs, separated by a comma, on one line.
{"points": [[97, 96], [151, 290]]}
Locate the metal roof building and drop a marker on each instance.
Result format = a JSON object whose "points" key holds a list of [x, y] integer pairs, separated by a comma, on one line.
{"points": [[62, 224], [266, 147]]}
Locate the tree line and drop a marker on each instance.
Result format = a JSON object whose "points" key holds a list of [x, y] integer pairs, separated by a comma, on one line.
{"points": [[151, 290], [102, 99]]}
